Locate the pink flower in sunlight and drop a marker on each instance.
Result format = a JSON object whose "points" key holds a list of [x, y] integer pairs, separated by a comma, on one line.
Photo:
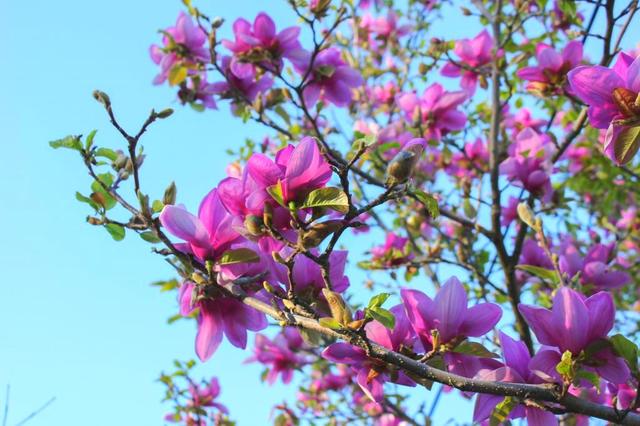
{"points": [[260, 43], [612, 96], [550, 75], [436, 111], [329, 79], [474, 53], [219, 316], [184, 43]]}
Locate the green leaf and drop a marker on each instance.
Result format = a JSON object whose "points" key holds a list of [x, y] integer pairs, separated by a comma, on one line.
{"points": [[116, 231], [364, 141], [88, 142], [106, 153], [276, 193], [157, 206], [329, 322], [545, 274], [150, 237], [565, 366], [501, 413], [590, 376], [69, 142], [241, 255], [330, 197], [383, 316], [107, 180], [377, 300], [429, 202], [166, 285], [626, 349], [476, 349], [626, 144], [87, 200]]}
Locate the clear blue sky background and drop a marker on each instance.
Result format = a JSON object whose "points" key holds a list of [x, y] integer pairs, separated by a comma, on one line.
{"points": [[78, 319]]}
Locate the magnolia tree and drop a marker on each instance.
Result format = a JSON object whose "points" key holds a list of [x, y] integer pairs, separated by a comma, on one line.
{"points": [[508, 207]]}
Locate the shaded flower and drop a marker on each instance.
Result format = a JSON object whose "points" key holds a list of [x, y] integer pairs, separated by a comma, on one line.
{"points": [[329, 79], [549, 76]]}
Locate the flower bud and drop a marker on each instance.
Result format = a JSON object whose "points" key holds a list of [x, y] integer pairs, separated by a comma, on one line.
{"points": [[626, 101], [169, 197], [102, 97], [253, 224], [164, 113], [339, 309], [217, 22], [120, 162], [526, 215], [267, 215]]}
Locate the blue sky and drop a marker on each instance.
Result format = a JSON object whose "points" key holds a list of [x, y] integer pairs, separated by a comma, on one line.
{"points": [[78, 319]]}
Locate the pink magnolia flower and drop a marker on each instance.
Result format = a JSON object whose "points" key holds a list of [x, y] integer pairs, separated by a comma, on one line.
{"points": [[549, 76], [594, 267], [573, 324], [198, 92], [307, 275], [471, 162], [516, 369], [184, 43], [279, 354], [393, 252], [528, 164], [244, 86], [435, 110], [261, 44], [297, 170], [521, 120], [218, 316], [612, 94], [448, 314], [387, 28], [371, 373], [206, 396], [207, 235], [329, 79], [510, 211], [448, 317], [473, 53]]}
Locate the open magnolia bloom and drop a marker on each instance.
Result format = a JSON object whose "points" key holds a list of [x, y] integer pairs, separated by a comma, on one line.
{"points": [[613, 96]]}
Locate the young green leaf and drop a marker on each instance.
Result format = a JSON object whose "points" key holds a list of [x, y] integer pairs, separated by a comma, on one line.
{"points": [[331, 198]]}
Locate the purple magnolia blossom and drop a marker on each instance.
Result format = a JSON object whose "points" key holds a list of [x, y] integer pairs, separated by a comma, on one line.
{"points": [[262, 44], [521, 120], [611, 94], [198, 92], [297, 170], [184, 43], [473, 53], [371, 373], [594, 267], [244, 86], [307, 274], [207, 235], [329, 79], [218, 316], [279, 354], [435, 110], [471, 162], [393, 252], [205, 396], [549, 76], [528, 163], [448, 314], [516, 369], [387, 27], [573, 324], [448, 317]]}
